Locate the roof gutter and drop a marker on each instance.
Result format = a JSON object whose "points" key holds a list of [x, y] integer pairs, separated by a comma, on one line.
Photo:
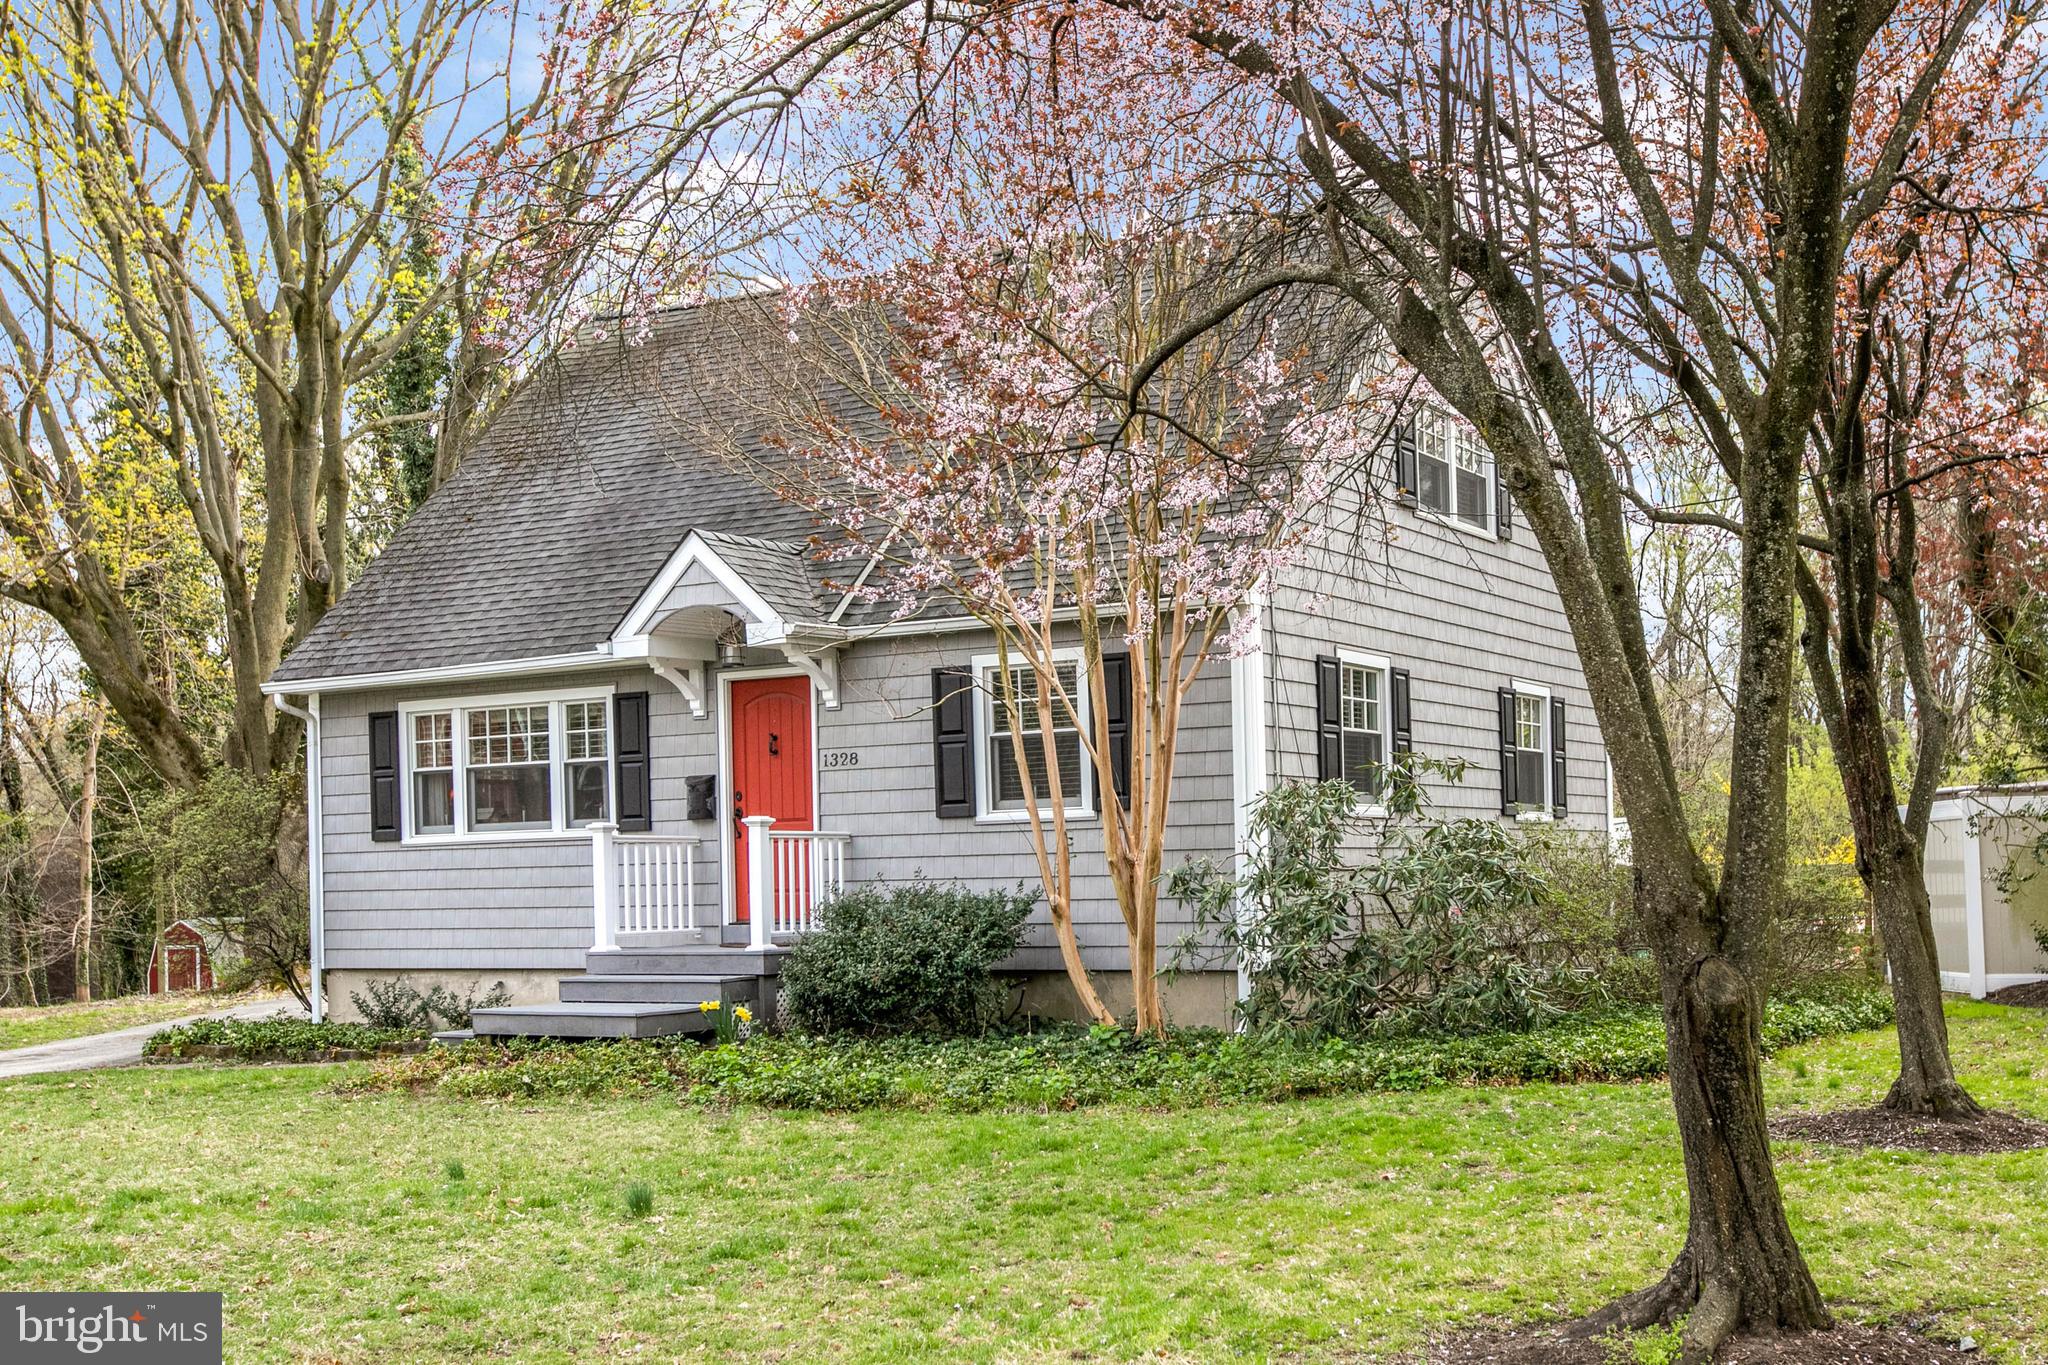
{"points": [[600, 657]]}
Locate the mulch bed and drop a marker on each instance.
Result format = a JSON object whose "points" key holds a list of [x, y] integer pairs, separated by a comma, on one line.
{"points": [[2030, 993], [1879, 1127], [1845, 1345]]}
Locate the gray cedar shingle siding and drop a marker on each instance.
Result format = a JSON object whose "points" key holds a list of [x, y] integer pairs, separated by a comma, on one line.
{"points": [[579, 497], [1464, 613], [526, 904]]}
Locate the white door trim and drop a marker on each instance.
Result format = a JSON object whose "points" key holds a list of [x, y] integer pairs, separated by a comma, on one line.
{"points": [[728, 900]]}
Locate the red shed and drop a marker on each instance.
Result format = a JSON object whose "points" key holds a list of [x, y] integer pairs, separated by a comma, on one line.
{"points": [[181, 961]]}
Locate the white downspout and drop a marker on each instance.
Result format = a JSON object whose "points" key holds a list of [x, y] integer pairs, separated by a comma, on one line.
{"points": [[316, 889], [1248, 762]]}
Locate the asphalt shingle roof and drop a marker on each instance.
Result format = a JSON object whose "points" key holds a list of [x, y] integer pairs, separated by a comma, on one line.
{"points": [[577, 496]]}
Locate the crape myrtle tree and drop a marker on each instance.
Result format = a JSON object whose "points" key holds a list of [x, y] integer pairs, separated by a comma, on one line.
{"points": [[1567, 217], [1109, 528], [1089, 420]]}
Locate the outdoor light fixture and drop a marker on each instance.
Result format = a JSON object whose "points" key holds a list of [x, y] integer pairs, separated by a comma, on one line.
{"points": [[732, 643]]}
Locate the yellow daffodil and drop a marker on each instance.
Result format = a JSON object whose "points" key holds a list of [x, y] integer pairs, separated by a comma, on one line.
{"points": [[707, 1006], [743, 1014]]}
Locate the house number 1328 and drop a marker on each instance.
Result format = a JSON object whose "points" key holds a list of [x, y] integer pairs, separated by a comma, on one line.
{"points": [[840, 758]]}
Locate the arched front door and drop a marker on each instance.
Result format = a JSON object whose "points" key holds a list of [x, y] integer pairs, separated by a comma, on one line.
{"points": [[771, 764]]}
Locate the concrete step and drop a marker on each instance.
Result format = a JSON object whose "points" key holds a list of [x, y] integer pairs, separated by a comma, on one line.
{"points": [[683, 962], [661, 988], [589, 1019], [454, 1036]]}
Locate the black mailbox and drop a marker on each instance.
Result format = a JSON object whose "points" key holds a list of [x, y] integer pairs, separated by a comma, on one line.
{"points": [[701, 793]]}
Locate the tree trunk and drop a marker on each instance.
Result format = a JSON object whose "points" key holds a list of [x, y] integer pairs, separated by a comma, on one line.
{"points": [[1927, 1079], [88, 797], [1890, 856], [1740, 1271]]}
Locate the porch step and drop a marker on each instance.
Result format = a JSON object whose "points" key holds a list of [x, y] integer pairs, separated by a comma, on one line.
{"points": [[589, 1019], [661, 988], [710, 962]]}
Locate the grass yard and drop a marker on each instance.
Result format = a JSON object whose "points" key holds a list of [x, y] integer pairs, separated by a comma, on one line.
{"points": [[387, 1227], [27, 1025]]}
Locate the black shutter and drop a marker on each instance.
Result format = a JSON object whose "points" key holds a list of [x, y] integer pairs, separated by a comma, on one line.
{"points": [[1404, 720], [1509, 794], [629, 733], [1116, 690], [1557, 756], [385, 803], [953, 699], [1503, 506], [1405, 474], [1329, 721]]}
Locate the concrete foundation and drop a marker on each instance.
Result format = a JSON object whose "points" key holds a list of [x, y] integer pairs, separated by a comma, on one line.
{"points": [[1192, 999], [528, 987]]}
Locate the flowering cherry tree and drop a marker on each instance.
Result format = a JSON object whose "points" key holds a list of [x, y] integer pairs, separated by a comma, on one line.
{"points": [[1932, 416]]}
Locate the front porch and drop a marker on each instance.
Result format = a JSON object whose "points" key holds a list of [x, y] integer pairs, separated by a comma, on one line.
{"points": [[661, 949]]}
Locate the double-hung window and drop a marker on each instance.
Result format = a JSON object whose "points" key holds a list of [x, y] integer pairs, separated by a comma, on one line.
{"points": [[1362, 718], [1532, 751], [1532, 748], [1453, 471], [433, 772], [1002, 794], [588, 769], [509, 768], [530, 765]]}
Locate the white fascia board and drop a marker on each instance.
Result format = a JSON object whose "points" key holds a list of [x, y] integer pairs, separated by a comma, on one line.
{"points": [[410, 677], [694, 551]]}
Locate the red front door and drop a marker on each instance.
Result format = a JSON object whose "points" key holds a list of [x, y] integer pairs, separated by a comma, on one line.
{"points": [[771, 763]]}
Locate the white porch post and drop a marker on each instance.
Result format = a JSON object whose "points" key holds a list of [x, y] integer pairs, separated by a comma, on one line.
{"points": [[604, 884], [760, 880]]}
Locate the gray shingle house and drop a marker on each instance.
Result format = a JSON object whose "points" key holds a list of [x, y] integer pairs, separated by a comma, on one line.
{"points": [[598, 724]]}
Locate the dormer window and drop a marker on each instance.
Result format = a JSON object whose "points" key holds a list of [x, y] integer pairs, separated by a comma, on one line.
{"points": [[1453, 471]]}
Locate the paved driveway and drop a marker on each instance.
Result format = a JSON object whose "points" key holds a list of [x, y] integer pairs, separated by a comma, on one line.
{"points": [[123, 1047]]}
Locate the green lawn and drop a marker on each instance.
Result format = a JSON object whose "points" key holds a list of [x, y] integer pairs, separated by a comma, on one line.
{"points": [[1332, 1229], [25, 1026]]}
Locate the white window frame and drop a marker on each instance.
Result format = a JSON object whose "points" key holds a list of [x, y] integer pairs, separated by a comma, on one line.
{"points": [[1384, 667], [1456, 433], [457, 709], [1081, 804], [1535, 812]]}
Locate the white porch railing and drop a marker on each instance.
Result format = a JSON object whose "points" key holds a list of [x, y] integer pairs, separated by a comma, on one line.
{"points": [[790, 873], [641, 883]]}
